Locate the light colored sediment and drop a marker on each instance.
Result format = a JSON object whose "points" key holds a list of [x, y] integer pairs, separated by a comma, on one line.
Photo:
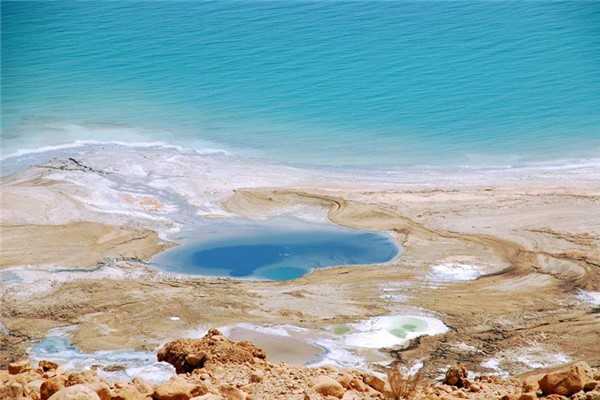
{"points": [[81, 244], [538, 244]]}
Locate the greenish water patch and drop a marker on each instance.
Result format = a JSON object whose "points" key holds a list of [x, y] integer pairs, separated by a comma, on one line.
{"points": [[341, 329]]}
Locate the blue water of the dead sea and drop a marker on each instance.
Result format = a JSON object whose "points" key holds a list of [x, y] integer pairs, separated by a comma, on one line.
{"points": [[329, 83], [280, 249]]}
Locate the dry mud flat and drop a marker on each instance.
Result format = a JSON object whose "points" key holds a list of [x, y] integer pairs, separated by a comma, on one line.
{"points": [[511, 268]]}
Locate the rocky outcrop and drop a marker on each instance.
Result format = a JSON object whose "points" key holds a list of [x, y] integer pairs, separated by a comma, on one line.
{"points": [[186, 355]]}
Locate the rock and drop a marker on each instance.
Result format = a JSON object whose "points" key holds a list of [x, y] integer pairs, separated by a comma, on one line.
{"points": [[51, 386], [530, 384], [456, 375], [11, 390], [475, 388], [230, 392], [209, 396], [187, 355], [351, 396], [590, 385], [75, 392], [345, 380], [375, 382], [18, 367], [358, 385], [101, 389], [257, 376], [327, 386], [33, 389], [528, 396], [142, 386], [77, 378], [196, 360], [127, 392], [565, 382], [45, 366], [174, 389]]}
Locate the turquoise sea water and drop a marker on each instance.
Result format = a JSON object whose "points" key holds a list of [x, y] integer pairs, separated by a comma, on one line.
{"points": [[361, 83]]}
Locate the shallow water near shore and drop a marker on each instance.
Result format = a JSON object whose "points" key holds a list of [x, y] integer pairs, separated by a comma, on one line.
{"points": [[279, 249]]}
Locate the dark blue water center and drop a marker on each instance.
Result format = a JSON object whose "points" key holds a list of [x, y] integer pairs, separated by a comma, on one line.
{"points": [[274, 250]]}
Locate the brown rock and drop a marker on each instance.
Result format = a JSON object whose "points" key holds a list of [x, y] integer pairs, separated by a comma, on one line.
{"points": [[590, 385], [456, 375], [530, 384], [78, 378], [51, 386], [556, 397], [257, 376], [196, 360], [18, 367], [230, 392], [142, 386], [11, 390], [75, 392], [327, 386], [375, 382], [345, 380], [32, 389], [174, 389], [127, 392], [565, 382], [358, 385], [45, 366]]}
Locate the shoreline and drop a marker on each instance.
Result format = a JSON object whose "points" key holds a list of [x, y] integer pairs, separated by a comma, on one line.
{"points": [[532, 241]]}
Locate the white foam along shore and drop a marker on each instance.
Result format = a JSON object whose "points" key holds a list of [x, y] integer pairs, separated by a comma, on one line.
{"points": [[113, 365]]}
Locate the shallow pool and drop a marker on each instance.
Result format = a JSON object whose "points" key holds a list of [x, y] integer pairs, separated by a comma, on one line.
{"points": [[280, 249]]}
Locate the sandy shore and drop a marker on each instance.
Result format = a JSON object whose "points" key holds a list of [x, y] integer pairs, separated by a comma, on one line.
{"points": [[532, 239]]}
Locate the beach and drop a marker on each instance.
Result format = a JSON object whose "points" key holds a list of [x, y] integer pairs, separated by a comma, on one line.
{"points": [[506, 259]]}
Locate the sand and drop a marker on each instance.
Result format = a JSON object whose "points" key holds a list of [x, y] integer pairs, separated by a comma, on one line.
{"points": [[534, 240]]}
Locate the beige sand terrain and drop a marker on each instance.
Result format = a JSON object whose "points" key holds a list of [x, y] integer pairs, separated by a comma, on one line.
{"points": [[538, 245]]}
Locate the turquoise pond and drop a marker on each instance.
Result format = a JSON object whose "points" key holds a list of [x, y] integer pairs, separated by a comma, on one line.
{"points": [[275, 250]]}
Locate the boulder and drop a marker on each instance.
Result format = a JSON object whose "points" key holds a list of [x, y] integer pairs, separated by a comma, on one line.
{"points": [[77, 378], [375, 382], [11, 390], [565, 382], [33, 389], [18, 367], [456, 375], [176, 389], [75, 392], [230, 392], [327, 386], [530, 384], [142, 386], [127, 392], [45, 366], [51, 386]]}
